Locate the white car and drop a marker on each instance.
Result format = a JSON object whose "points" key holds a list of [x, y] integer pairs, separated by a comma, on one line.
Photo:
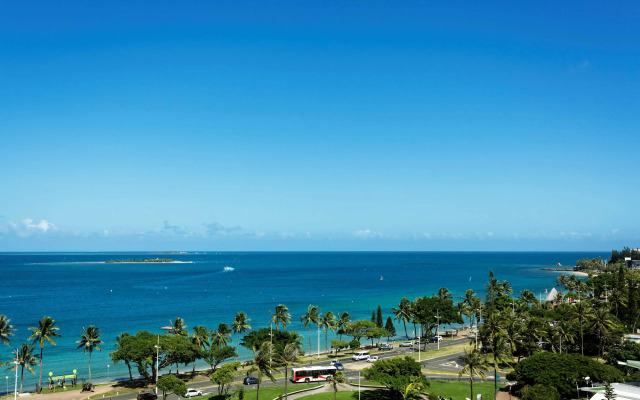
{"points": [[405, 344], [193, 393], [372, 358]]}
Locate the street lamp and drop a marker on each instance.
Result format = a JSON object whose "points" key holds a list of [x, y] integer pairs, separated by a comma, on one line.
{"points": [[7, 379], [157, 358], [438, 334], [15, 390], [107, 373], [318, 341]]}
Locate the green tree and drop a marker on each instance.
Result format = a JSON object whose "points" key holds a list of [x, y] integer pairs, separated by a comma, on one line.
{"points": [[225, 376], [581, 313], [44, 332], [312, 316], [609, 394], [475, 364], [215, 355], [379, 317], [603, 323], [222, 335], [500, 354], [390, 328], [281, 315], [26, 359], [240, 325], [540, 392], [200, 338], [262, 365], [290, 356], [361, 328], [344, 319], [6, 329], [171, 384], [178, 327], [335, 381], [396, 374], [339, 344], [254, 339], [403, 313], [327, 323], [178, 350], [116, 356], [89, 340]]}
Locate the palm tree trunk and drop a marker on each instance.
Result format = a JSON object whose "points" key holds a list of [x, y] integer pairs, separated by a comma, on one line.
{"points": [[237, 346], [40, 381], [21, 376], [129, 366], [581, 339], [308, 351], [495, 383], [285, 382], [471, 381], [89, 365], [405, 328]]}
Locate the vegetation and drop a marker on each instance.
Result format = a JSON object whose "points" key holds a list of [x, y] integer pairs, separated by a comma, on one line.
{"points": [[41, 334], [401, 375], [89, 340], [225, 376], [171, 384]]}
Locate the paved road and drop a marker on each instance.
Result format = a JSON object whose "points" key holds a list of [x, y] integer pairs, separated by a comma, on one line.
{"points": [[449, 364]]}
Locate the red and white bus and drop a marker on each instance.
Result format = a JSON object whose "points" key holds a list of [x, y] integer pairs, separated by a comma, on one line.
{"points": [[312, 374]]}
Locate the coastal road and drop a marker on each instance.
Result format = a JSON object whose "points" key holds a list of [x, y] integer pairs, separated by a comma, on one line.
{"points": [[448, 365]]}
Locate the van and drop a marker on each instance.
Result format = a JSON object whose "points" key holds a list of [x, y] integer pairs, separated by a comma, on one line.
{"points": [[360, 355]]}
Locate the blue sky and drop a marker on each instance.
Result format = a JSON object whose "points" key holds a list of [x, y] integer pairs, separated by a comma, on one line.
{"points": [[319, 126]]}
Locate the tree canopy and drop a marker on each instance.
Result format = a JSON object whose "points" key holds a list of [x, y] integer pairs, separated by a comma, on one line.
{"points": [[397, 374]]}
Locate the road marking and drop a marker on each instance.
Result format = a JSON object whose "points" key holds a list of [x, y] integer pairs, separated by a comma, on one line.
{"points": [[451, 364]]}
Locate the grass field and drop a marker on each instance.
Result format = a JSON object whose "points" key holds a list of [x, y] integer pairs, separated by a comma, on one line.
{"points": [[453, 390], [267, 393]]}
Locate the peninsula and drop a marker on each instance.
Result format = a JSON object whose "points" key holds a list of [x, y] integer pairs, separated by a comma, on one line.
{"points": [[144, 260]]}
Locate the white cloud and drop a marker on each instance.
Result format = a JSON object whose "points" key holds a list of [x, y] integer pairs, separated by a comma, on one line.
{"points": [[216, 228], [367, 234], [28, 227]]}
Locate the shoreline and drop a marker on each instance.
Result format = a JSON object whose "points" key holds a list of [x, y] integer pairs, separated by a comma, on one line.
{"points": [[565, 270]]}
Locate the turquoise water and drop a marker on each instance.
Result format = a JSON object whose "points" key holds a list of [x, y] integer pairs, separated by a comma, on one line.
{"points": [[77, 290]]}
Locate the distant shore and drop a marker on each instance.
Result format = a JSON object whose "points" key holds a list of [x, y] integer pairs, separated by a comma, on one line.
{"points": [[147, 261], [569, 270]]}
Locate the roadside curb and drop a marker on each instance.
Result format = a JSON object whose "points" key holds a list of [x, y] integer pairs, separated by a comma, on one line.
{"points": [[299, 391]]}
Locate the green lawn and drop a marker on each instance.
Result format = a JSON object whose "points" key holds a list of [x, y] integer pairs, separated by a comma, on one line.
{"points": [[266, 393], [454, 390]]}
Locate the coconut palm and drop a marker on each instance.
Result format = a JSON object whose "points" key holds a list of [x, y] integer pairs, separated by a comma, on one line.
{"points": [[25, 359], [500, 354], [603, 323], [178, 327], [89, 340], [475, 364], [221, 336], [281, 315], [328, 323], [344, 319], [444, 294], [312, 316], [200, 338], [44, 332], [335, 381], [403, 313], [6, 329], [240, 325], [289, 356], [528, 297], [581, 312], [262, 364]]}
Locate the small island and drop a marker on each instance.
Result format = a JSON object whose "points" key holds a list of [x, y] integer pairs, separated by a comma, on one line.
{"points": [[144, 260]]}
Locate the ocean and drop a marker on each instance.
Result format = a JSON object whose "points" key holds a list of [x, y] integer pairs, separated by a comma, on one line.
{"points": [[79, 289]]}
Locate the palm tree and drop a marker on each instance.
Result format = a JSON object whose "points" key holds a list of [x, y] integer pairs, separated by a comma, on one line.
{"points": [[343, 323], [25, 359], [221, 336], [6, 329], [240, 325], [262, 364], [117, 345], [336, 380], [403, 313], [500, 354], [281, 314], [444, 294], [581, 313], [44, 332], [603, 323], [528, 297], [475, 364], [328, 323], [200, 338], [289, 356], [310, 317], [178, 327], [89, 340]]}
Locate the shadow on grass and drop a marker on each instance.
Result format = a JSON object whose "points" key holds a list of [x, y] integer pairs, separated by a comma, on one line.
{"points": [[134, 384], [381, 394]]}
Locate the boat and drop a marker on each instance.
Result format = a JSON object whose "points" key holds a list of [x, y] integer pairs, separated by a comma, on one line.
{"points": [[227, 269]]}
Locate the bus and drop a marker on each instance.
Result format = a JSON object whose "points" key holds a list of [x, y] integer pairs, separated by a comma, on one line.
{"points": [[312, 374]]}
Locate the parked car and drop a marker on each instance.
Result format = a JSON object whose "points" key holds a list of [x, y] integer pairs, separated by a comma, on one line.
{"points": [[250, 380], [338, 365], [385, 346], [360, 355], [372, 358], [405, 344], [192, 393], [435, 339], [147, 396]]}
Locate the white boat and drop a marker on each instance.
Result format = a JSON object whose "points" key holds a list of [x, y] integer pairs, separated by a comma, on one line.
{"points": [[227, 269]]}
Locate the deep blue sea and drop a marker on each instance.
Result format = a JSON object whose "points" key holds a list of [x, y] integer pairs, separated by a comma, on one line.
{"points": [[78, 289]]}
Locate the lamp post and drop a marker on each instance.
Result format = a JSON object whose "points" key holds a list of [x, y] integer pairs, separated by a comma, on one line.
{"points": [[157, 358], [15, 390], [7, 379], [438, 329], [318, 341], [107, 373]]}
